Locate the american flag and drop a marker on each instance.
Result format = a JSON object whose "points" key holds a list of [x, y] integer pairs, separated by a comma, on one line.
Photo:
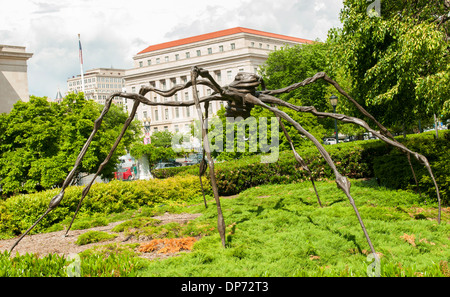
{"points": [[81, 51]]}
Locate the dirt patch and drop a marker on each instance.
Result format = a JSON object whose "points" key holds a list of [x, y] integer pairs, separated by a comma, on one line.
{"points": [[57, 243]]}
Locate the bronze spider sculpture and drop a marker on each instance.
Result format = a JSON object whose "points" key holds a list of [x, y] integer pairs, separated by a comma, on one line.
{"points": [[242, 96]]}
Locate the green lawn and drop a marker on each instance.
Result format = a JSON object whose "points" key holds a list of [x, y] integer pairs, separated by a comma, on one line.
{"points": [[280, 230], [277, 231]]}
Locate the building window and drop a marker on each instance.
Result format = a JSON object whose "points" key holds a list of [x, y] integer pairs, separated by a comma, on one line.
{"points": [[209, 51], [199, 53], [133, 89], [268, 46], [175, 97], [188, 55], [177, 112], [176, 128], [141, 64], [253, 44], [145, 114], [149, 62], [156, 115], [233, 46], [166, 114], [218, 76], [155, 129], [158, 60], [229, 75], [186, 96], [166, 128], [188, 111], [177, 57], [166, 58], [220, 48]]}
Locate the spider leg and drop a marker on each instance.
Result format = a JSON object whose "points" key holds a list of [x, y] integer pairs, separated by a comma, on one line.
{"points": [[220, 220], [300, 159], [342, 182], [56, 200], [203, 165], [324, 76], [347, 119], [108, 157]]}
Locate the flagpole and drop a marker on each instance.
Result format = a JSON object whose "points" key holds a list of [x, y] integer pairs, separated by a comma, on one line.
{"points": [[81, 64]]}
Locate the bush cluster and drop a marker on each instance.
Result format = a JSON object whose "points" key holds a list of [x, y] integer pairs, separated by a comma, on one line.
{"points": [[359, 159], [19, 212], [394, 171]]}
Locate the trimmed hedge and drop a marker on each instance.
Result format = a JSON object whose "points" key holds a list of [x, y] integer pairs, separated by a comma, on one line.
{"points": [[359, 159], [394, 171], [355, 160], [18, 213]]}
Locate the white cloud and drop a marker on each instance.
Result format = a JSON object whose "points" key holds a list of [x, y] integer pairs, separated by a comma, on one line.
{"points": [[113, 31]]}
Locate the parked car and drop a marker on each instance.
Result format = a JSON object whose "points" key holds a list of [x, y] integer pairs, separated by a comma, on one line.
{"points": [[327, 141], [124, 174], [162, 165], [349, 138], [194, 159]]}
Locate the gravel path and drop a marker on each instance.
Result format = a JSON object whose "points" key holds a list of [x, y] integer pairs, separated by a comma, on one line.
{"points": [[56, 243]]}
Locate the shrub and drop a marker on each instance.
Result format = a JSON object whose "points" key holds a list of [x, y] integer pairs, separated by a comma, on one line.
{"points": [[359, 159], [94, 236], [394, 171], [18, 213]]}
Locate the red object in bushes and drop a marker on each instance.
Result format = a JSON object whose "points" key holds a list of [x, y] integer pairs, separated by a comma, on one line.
{"points": [[123, 174]]}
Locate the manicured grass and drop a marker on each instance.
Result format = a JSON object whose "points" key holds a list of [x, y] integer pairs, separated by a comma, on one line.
{"points": [[277, 231], [280, 230]]}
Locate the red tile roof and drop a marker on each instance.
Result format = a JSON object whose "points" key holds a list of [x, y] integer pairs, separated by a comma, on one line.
{"points": [[220, 34]]}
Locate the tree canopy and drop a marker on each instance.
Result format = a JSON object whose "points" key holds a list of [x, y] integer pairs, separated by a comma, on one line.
{"points": [[397, 58], [40, 141], [290, 65], [159, 150]]}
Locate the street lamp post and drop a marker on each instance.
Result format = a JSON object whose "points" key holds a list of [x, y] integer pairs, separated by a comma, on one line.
{"points": [[333, 101]]}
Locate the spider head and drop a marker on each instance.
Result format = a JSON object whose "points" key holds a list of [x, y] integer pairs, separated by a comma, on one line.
{"points": [[247, 82], [243, 83]]}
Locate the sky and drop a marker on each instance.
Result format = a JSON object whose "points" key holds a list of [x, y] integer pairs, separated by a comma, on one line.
{"points": [[114, 31]]}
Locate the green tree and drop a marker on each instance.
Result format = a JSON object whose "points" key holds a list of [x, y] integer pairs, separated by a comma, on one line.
{"points": [[162, 139], [40, 142], [159, 150], [397, 58], [153, 153], [290, 65]]}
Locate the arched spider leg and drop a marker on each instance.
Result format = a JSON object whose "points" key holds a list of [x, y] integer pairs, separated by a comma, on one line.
{"points": [[203, 164], [383, 130], [220, 220], [108, 157], [342, 182], [347, 119], [299, 159], [56, 200]]}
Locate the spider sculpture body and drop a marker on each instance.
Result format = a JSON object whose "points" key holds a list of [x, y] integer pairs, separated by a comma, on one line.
{"points": [[242, 96]]}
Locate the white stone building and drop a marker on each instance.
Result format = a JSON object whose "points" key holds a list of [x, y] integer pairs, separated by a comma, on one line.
{"points": [[223, 54], [13, 76], [99, 83]]}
